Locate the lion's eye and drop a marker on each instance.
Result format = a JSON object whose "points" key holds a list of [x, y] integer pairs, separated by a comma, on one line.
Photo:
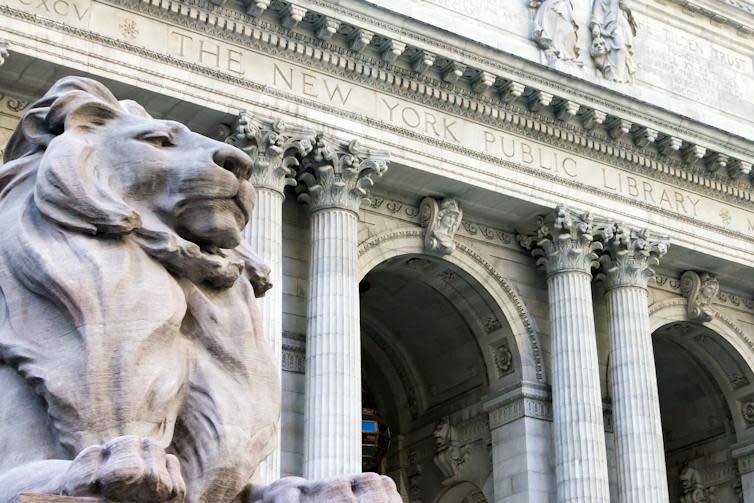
{"points": [[157, 139]]}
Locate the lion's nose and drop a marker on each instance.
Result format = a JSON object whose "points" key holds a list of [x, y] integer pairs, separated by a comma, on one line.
{"points": [[232, 159]]}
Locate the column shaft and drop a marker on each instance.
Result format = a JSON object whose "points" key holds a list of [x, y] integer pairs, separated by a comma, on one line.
{"points": [[636, 409], [579, 434], [264, 235], [333, 351]]}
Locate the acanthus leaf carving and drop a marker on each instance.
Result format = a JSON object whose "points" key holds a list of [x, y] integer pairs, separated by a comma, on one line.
{"points": [[441, 220], [700, 289], [276, 149], [563, 242], [628, 255], [339, 175]]}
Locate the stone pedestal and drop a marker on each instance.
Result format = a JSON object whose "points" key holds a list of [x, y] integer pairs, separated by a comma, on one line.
{"points": [[640, 456], [336, 177], [564, 246]]}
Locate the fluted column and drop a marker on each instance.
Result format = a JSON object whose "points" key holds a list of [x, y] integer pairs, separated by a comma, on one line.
{"points": [[626, 266], [564, 245], [336, 176], [275, 149]]}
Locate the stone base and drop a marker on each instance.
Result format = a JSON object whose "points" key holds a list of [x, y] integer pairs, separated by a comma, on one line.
{"points": [[48, 498]]}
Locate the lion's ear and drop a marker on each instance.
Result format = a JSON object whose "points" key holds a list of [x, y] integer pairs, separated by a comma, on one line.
{"points": [[35, 127]]}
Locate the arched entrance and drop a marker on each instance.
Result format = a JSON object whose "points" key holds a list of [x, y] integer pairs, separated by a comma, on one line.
{"points": [[429, 331], [703, 384]]}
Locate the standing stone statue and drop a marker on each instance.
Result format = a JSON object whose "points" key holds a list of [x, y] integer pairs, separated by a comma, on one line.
{"points": [[613, 30], [132, 361], [555, 31]]}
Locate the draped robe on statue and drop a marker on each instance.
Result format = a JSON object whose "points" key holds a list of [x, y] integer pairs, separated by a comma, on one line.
{"points": [[613, 25]]}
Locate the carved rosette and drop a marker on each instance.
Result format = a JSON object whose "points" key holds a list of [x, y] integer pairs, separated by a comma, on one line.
{"points": [[339, 175], [275, 148], [563, 242], [3, 51], [747, 411], [628, 255], [700, 289], [441, 220]]}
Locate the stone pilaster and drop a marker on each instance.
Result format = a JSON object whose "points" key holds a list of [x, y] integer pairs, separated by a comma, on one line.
{"points": [[335, 177], [564, 245], [626, 265], [743, 453], [275, 149]]}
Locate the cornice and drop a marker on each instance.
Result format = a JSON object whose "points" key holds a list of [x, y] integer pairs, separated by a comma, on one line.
{"points": [[724, 168]]}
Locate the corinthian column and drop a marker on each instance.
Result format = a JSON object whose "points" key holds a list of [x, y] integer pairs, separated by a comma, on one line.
{"points": [[626, 267], [564, 245], [337, 176], [275, 149]]}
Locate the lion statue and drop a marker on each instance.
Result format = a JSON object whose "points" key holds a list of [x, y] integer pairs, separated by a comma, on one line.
{"points": [[132, 361]]}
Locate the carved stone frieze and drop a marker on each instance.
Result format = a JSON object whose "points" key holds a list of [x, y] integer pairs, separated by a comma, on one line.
{"points": [[555, 31], [613, 29], [276, 149], [700, 289], [628, 255], [339, 175], [563, 242], [441, 220]]}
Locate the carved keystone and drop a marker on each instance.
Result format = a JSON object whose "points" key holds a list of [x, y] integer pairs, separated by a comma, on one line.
{"points": [[441, 220], [700, 289]]}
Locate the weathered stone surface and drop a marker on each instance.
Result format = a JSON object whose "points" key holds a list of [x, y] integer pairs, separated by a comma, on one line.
{"points": [[47, 498], [133, 353]]}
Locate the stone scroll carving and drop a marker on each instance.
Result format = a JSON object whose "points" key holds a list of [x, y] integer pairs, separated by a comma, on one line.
{"points": [[700, 289], [613, 29], [131, 349], [441, 220], [555, 31], [692, 488]]}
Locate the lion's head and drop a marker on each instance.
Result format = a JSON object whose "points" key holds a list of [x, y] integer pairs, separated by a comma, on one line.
{"points": [[106, 167]]}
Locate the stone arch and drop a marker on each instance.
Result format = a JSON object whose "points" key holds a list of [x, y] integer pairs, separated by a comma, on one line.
{"points": [[409, 241], [671, 311]]}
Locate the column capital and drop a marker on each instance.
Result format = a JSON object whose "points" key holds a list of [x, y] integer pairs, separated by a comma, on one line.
{"points": [[563, 242], [628, 255], [274, 147], [337, 174]]}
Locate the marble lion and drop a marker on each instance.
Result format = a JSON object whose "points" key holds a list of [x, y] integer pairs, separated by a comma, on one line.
{"points": [[132, 362]]}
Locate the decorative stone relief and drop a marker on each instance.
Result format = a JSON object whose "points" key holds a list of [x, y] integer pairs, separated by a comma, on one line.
{"points": [[700, 289], [3, 51], [555, 31], [275, 148], [613, 29], [628, 255], [503, 358], [441, 220], [563, 241], [336, 174], [450, 455], [692, 488], [747, 412]]}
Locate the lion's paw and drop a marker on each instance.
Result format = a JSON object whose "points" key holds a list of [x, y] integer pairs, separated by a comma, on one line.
{"points": [[126, 468], [361, 488]]}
